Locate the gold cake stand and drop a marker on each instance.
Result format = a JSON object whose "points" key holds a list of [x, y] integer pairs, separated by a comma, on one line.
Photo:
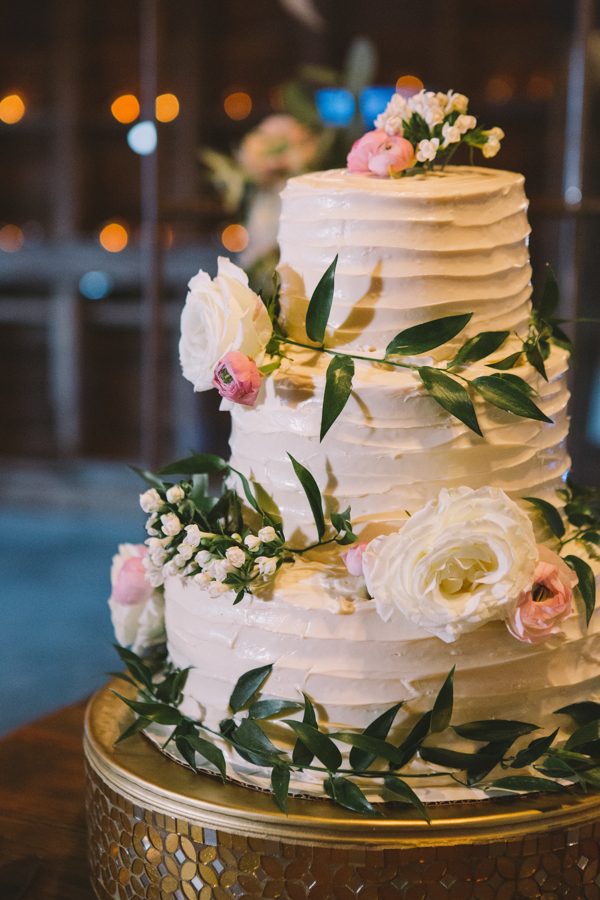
{"points": [[159, 831]]}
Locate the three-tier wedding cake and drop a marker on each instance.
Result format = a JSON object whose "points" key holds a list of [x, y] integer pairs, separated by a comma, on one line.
{"points": [[396, 580]]}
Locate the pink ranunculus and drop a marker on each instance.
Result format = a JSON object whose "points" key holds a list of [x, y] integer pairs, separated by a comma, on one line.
{"points": [[354, 559], [540, 610], [236, 377], [130, 585], [395, 155], [363, 149], [381, 153], [279, 147]]}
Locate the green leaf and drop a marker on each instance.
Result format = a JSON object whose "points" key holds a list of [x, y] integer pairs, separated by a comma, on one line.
{"points": [[154, 712], [494, 730], [319, 307], [509, 362], [550, 514], [280, 782], [420, 338], [533, 751], [247, 685], [319, 744], [507, 396], [374, 746], [450, 395], [251, 737], [534, 357], [453, 759], [526, 783], [415, 738], [338, 387], [480, 346], [313, 494], [442, 708], [518, 382], [347, 794], [486, 759], [149, 477], [405, 794], [196, 464], [378, 728], [550, 296], [584, 735], [248, 491], [205, 749], [582, 713], [586, 583], [301, 755], [342, 523], [136, 666], [137, 725], [264, 709]]}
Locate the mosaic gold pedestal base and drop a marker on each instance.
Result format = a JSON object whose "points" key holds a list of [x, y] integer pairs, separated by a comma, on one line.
{"points": [[158, 831]]}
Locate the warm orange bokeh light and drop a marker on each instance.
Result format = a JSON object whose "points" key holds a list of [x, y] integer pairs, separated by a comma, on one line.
{"points": [[12, 109], [238, 105], [234, 238], [125, 108], [540, 86], [499, 88], [167, 107], [11, 238], [114, 237], [407, 85]]}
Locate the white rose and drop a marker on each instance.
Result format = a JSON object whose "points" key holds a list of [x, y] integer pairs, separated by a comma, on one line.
{"points": [[267, 534], [267, 565], [252, 542], [150, 500], [171, 524], [137, 611], [236, 557], [427, 150], [460, 561], [219, 316], [175, 494]]}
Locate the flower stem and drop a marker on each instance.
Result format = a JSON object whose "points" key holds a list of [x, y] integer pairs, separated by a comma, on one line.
{"points": [[372, 359]]}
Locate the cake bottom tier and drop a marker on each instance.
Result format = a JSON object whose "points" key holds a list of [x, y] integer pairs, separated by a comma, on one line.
{"points": [[156, 830], [354, 666]]}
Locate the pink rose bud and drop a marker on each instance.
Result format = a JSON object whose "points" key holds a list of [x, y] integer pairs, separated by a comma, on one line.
{"points": [[236, 377], [395, 155], [363, 149], [540, 610], [354, 559], [131, 585]]}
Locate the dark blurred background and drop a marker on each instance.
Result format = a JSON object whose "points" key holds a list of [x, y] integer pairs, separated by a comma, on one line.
{"points": [[98, 238]]}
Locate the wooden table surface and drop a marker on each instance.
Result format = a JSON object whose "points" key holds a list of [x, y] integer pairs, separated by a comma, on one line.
{"points": [[42, 827]]}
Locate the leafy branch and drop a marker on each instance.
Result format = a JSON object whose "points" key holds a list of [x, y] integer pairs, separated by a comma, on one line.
{"points": [[372, 757]]}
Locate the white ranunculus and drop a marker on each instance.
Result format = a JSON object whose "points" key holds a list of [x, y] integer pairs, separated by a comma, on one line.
{"points": [[136, 609], [220, 315], [460, 561]]}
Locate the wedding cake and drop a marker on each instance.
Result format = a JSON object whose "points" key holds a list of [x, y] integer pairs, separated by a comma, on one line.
{"points": [[396, 581]]}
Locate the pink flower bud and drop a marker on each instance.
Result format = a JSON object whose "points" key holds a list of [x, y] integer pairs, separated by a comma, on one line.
{"points": [[381, 154], [354, 559], [130, 585], [540, 610], [236, 377]]}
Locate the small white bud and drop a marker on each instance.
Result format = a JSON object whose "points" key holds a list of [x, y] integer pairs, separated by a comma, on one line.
{"points": [[267, 534], [252, 542], [203, 558], [150, 500], [192, 535], [267, 565], [219, 569], [202, 578], [216, 589], [185, 551], [236, 556], [175, 494], [170, 524]]}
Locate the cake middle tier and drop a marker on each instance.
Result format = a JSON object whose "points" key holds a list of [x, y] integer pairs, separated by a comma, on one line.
{"points": [[393, 448]]}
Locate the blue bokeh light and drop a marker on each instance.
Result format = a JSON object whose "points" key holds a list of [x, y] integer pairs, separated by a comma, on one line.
{"points": [[372, 101], [335, 106], [142, 138], [95, 285]]}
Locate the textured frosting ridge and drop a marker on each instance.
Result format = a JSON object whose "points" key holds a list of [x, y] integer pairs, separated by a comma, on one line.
{"points": [[410, 250]]}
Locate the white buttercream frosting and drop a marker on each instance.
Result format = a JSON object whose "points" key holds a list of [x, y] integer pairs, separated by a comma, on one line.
{"points": [[410, 250]]}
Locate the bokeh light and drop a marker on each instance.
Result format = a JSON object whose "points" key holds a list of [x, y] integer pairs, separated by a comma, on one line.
{"points": [[12, 109], [114, 237], [95, 285], [407, 85], [142, 138], [335, 106], [125, 108], [499, 88], [540, 86], [237, 105], [372, 101], [167, 107], [11, 238], [234, 238]]}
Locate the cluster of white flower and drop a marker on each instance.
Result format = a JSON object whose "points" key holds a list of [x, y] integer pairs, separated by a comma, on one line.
{"points": [[445, 115], [220, 563]]}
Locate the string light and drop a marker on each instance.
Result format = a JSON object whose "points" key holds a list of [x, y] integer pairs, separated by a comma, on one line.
{"points": [[114, 237], [234, 238], [238, 105], [125, 108], [12, 109], [11, 238], [167, 107]]}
